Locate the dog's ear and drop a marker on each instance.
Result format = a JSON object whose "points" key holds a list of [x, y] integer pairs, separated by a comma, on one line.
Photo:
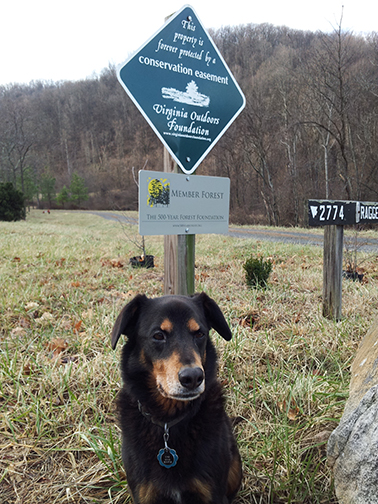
{"points": [[214, 316], [127, 318]]}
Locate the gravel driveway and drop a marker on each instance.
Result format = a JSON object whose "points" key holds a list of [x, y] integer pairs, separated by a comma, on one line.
{"points": [[299, 236]]}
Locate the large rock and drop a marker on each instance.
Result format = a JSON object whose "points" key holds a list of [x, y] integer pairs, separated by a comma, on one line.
{"points": [[353, 446]]}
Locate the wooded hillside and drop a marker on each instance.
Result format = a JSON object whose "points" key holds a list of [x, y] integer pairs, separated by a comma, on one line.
{"points": [[309, 129]]}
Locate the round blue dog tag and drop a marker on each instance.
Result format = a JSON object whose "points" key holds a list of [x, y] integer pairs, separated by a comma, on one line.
{"points": [[167, 457]]}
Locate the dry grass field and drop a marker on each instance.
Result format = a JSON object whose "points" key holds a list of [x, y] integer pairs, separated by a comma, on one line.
{"points": [[65, 276]]}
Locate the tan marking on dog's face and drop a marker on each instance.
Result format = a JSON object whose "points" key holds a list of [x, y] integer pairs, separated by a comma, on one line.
{"points": [[193, 325], [166, 325], [142, 357], [168, 384], [171, 407], [197, 361], [201, 487]]}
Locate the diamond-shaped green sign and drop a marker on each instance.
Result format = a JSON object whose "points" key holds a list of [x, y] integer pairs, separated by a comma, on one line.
{"points": [[183, 87]]}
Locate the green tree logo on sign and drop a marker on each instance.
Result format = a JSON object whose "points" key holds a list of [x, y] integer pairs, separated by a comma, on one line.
{"points": [[158, 192]]}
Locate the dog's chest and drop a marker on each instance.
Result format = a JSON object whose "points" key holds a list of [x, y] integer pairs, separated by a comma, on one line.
{"points": [[175, 495]]}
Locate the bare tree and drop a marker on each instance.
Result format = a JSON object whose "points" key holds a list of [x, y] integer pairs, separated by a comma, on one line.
{"points": [[16, 137]]}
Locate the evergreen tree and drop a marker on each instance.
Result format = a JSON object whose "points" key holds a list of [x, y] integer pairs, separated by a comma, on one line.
{"points": [[47, 187], [63, 196], [30, 186], [11, 203], [78, 189]]}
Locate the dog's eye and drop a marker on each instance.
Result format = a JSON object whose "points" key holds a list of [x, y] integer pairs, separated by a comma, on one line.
{"points": [[199, 335], [159, 336]]}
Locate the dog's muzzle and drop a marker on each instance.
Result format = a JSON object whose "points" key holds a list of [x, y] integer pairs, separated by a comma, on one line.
{"points": [[185, 385]]}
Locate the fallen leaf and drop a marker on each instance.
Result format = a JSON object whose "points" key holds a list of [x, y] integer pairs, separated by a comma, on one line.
{"points": [[24, 322], [250, 320], [296, 318], [113, 263], [77, 326], [116, 263], [27, 370], [322, 437], [68, 358], [87, 314], [57, 346], [31, 306], [317, 372], [46, 317], [18, 331], [292, 412], [66, 324]]}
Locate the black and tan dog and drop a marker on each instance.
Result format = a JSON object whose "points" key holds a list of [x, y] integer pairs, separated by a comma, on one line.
{"points": [[178, 447]]}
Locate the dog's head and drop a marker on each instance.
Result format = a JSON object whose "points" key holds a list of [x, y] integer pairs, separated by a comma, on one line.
{"points": [[169, 336]]}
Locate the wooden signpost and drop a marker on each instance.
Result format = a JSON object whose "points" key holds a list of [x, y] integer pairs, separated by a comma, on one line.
{"points": [[334, 215], [187, 94], [332, 271], [179, 253]]}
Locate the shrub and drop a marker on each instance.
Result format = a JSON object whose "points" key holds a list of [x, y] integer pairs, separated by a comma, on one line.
{"points": [[257, 271], [11, 203]]}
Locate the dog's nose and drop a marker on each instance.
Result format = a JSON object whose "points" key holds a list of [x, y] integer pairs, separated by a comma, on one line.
{"points": [[191, 377]]}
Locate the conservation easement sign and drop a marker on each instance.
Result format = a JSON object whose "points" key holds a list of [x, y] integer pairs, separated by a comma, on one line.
{"points": [[170, 203], [184, 89], [341, 213]]}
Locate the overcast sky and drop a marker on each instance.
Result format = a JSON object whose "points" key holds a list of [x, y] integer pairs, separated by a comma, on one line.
{"points": [[74, 39]]}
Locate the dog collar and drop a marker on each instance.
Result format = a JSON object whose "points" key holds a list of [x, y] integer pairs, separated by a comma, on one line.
{"points": [[153, 420]]}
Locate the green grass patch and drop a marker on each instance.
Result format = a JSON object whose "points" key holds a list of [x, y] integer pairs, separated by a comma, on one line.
{"points": [[66, 275]]}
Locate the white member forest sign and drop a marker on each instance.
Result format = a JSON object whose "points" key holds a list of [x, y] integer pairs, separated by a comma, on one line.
{"points": [[170, 203]]}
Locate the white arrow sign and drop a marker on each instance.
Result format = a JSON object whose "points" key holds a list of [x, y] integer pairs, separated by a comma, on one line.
{"points": [[314, 211]]}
